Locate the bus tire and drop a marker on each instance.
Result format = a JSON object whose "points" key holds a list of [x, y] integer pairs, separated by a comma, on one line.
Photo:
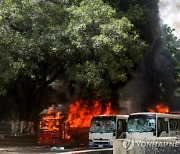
{"points": [[74, 142]]}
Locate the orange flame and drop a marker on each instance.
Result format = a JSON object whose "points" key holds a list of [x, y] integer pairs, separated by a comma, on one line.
{"points": [[160, 108], [80, 114], [51, 121]]}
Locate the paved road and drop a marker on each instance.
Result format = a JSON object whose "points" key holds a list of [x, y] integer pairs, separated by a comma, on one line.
{"points": [[49, 150], [29, 149]]}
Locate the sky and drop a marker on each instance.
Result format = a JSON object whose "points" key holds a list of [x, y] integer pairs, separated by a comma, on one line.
{"points": [[170, 14]]}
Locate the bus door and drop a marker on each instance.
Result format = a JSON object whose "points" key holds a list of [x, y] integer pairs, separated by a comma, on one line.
{"points": [[121, 128]]}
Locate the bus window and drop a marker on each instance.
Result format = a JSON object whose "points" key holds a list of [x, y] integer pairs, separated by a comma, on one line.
{"points": [[102, 125], [121, 128], [167, 126], [104, 129], [141, 123], [124, 125], [162, 126], [145, 125], [171, 124], [174, 124], [178, 124]]}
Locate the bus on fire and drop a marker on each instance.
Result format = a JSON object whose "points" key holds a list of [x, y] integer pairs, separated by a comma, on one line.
{"points": [[148, 125], [106, 128], [54, 130]]}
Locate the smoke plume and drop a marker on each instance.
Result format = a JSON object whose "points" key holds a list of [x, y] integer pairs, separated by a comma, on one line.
{"points": [[152, 79]]}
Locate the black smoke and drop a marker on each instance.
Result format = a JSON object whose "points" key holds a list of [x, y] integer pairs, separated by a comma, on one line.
{"points": [[153, 81]]}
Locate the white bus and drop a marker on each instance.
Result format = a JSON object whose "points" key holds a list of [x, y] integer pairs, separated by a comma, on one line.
{"points": [[147, 125], [105, 128]]}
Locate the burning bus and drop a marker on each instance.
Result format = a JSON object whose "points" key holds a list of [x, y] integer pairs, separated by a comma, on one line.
{"points": [[71, 127], [54, 129]]}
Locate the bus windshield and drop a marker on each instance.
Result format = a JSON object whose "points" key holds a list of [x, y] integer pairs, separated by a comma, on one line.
{"points": [[141, 123], [103, 124], [49, 124]]}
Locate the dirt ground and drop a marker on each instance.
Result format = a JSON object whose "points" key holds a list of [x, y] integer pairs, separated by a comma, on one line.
{"points": [[24, 144], [28, 144], [29, 149]]}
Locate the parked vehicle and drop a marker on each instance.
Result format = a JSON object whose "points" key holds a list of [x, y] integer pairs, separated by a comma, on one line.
{"points": [[148, 125], [105, 128], [53, 130]]}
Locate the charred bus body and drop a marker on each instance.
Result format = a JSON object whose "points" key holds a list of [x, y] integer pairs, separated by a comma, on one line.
{"points": [[54, 130]]}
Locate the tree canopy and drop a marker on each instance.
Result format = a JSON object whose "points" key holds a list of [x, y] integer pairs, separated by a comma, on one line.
{"points": [[90, 43], [85, 42], [172, 51], [108, 48]]}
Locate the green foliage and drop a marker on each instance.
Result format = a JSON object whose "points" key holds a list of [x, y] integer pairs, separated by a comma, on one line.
{"points": [[173, 53], [85, 41], [108, 48], [142, 14], [40, 31], [136, 14], [30, 31]]}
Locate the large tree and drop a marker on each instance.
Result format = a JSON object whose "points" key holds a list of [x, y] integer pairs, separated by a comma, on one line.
{"points": [[31, 32], [85, 42], [172, 51], [108, 48]]}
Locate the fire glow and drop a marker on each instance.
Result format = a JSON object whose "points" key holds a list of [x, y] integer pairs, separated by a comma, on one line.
{"points": [[160, 108], [50, 121], [79, 114]]}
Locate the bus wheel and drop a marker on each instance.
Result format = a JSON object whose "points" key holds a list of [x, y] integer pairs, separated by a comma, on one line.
{"points": [[74, 142]]}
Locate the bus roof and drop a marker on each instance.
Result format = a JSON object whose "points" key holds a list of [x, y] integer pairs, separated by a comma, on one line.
{"points": [[165, 115], [113, 115]]}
